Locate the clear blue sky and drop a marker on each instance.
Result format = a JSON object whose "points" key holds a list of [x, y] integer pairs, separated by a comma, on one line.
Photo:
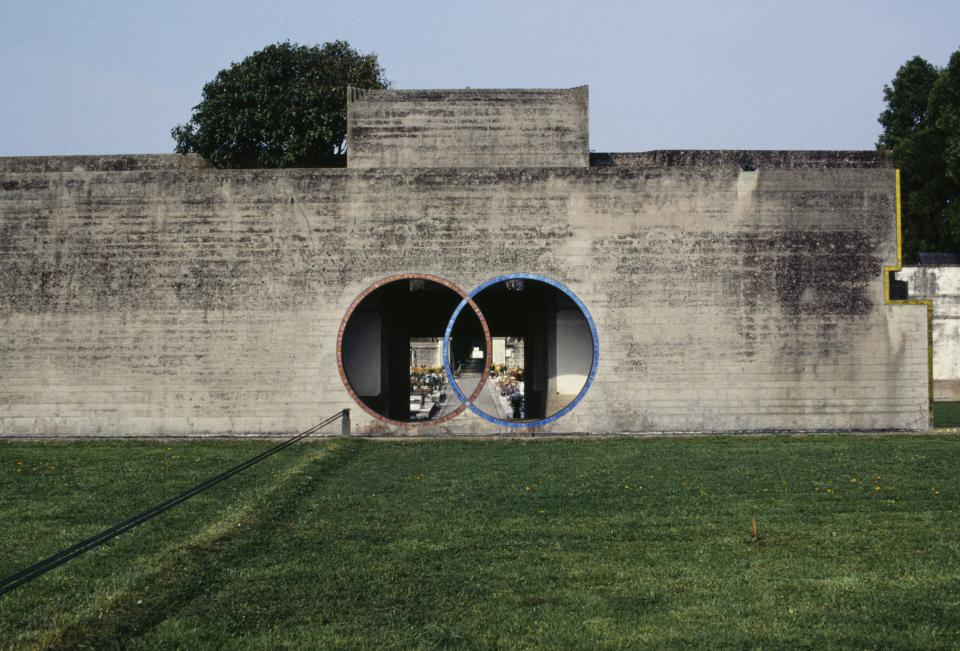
{"points": [[110, 76]]}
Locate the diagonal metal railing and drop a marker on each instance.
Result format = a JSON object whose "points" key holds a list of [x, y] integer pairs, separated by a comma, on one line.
{"points": [[67, 554]]}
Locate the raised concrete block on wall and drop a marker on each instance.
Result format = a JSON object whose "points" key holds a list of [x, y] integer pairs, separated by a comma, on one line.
{"points": [[467, 128]]}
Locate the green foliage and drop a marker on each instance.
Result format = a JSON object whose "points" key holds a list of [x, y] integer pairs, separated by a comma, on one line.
{"points": [[921, 128], [283, 106], [548, 544]]}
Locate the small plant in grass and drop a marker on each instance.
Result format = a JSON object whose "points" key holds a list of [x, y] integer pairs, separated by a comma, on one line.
{"points": [[756, 537]]}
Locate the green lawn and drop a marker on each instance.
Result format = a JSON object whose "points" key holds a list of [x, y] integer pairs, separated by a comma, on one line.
{"points": [[562, 543], [946, 414]]}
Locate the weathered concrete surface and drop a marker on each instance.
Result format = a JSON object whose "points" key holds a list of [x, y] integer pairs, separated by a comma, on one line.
{"points": [[941, 285], [109, 163], [467, 128], [173, 300], [745, 159]]}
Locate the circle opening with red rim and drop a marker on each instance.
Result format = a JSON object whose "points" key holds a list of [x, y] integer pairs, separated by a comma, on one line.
{"points": [[437, 284]]}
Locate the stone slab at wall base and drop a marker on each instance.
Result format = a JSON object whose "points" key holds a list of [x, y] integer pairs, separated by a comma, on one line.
{"points": [[946, 389], [171, 300]]}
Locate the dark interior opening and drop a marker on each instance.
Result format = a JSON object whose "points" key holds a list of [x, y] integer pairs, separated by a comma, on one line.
{"points": [[527, 310], [377, 340]]}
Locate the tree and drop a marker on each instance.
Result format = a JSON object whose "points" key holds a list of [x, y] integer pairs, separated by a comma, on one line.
{"points": [[283, 106], [921, 129]]}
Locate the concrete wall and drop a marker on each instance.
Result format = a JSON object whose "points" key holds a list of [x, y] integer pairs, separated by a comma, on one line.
{"points": [[174, 300], [745, 159], [467, 128], [942, 286], [110, 163], [574, 352]]}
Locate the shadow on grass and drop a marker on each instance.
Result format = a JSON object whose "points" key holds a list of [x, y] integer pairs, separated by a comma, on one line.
{"points": [[193, 568], [593, 544]]}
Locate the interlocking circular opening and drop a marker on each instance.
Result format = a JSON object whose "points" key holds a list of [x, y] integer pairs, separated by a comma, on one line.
{"points": [[410, 351]]}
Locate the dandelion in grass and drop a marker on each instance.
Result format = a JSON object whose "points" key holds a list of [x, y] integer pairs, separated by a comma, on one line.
{"points": [[877, 487]]}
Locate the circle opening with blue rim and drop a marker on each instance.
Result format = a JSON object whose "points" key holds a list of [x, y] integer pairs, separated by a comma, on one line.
{"points": [[556, 337]]}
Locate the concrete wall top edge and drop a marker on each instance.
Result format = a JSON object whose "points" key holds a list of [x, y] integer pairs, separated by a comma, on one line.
{"points": [[430, 179], [743, 158], [101, 163], [405, 94], [657, 159]]}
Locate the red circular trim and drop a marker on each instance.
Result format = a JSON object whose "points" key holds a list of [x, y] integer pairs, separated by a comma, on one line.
{"points": [[440, 281]]}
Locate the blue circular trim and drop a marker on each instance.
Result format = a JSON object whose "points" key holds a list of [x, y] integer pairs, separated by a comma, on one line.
{"points": [[510, 423]]}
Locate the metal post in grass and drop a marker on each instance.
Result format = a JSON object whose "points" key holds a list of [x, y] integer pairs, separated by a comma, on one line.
{"points": [[345, 423]]}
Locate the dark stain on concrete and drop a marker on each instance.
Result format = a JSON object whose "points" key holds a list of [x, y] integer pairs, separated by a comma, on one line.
{"points": [[817, 279]]}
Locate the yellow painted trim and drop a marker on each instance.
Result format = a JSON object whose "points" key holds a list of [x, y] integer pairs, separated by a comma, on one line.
{"points": [[927, 302]]}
